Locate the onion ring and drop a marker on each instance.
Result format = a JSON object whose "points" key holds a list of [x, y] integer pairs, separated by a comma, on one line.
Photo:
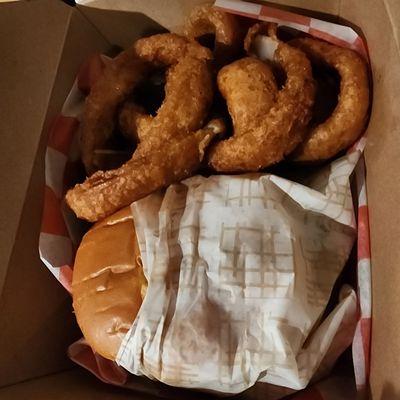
{"points": [[120, 77], [155, 164], [250, 89], [188, 88], [348, 120], [275, 130], [205, 20], [171, 145]]}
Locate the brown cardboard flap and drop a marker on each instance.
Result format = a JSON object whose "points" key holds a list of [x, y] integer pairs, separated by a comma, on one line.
{"points": [[121, 28], [45, 43], [393, 11], [168, 13], [171, 13], [123, 21], [380, 21], [29, 63], [29, 59]]}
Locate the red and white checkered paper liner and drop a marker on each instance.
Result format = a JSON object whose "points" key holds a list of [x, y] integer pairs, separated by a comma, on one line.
{"points": [[59, 237]]}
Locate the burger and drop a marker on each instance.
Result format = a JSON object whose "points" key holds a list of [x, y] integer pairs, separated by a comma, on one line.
{"points": [[108, 283]]}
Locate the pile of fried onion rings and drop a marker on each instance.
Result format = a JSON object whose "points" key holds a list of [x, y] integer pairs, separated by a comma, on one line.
{"points": [[270, 120]]}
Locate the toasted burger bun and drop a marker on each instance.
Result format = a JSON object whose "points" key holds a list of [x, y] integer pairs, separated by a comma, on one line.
{"points": [[108, 283]]}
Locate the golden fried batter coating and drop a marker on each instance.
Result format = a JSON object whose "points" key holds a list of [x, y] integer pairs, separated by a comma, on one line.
{"points": [[119, 78], [348, 119], [154, 165], [274, 131], [130, 116], [168, 48], [205, 20], [247, 84], [170, 145], [188, 94]]}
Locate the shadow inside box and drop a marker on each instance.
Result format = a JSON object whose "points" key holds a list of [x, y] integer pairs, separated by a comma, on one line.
{"points": [[146, 386], [342, 373], [157, 389], [389, 392]]}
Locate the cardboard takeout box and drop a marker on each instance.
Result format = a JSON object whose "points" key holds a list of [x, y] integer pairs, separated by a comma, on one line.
{"points": [[43, 43]]}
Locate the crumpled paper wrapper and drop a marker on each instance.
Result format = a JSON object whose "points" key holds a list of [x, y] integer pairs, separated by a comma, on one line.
{"points": [[240, 270]]}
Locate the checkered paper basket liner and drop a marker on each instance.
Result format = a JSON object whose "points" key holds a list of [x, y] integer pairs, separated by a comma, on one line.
{"points": [[60, 233]]}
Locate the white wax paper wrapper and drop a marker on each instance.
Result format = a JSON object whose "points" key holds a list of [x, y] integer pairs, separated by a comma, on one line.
{"points": [[240, 270]]}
